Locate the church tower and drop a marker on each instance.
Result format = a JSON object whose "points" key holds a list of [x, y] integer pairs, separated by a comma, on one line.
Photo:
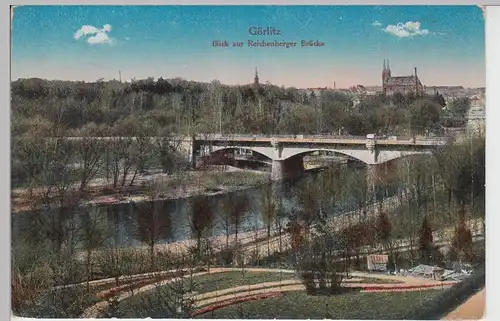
{"points": [[256, 79], [386, 74]]}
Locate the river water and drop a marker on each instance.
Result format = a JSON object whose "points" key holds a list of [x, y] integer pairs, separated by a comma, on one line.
{"points": [[122, 219]]}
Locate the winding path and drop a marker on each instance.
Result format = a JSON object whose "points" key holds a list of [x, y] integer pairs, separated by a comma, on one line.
{"points": [[246, 290]]}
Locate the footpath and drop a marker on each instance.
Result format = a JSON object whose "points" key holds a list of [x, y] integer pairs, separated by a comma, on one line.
{"points": [[241, 292], [472, 309]]}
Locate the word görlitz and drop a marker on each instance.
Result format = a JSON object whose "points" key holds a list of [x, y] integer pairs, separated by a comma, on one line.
{"points": [[267, 31]]}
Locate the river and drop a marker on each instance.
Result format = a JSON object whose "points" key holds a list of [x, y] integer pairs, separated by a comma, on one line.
{"points": [[122, 219]]}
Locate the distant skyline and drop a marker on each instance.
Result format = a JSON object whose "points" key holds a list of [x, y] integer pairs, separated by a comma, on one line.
{"points": [[445, 43]]}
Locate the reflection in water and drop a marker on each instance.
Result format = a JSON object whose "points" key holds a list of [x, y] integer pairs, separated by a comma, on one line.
{"points": [[170, 220]]}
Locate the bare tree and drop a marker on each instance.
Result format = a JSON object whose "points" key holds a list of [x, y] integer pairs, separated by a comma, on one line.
{"points": [[236, 205], [153, 226], [93, 236], [89, 152], [268, 210], [201, 220], [309, 201]]}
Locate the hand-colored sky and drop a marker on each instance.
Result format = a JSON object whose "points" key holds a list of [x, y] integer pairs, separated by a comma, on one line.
{"points": [[446, 43]]}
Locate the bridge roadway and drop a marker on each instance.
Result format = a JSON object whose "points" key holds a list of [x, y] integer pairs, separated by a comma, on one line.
{"points": [[286, 151], [325, 139]]}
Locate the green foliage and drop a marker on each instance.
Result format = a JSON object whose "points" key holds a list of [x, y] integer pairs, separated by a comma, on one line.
{"points": [[350, 306], [383, 227], [185, 107], [426, 241]]}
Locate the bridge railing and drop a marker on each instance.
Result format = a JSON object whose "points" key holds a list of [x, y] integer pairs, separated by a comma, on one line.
{"points": [[430, 139], [425, 140]]}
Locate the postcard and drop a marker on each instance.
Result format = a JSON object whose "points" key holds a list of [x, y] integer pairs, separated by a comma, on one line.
{"points": [[251, 162]]}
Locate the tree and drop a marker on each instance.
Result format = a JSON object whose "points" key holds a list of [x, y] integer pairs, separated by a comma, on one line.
{"points": [[268, 210], [424, 115], [426, 241], [461, 243], [309, 202], [89, 151], [317, 264], [202, 218], [459, 107], [383, 229], [236, 206], [295, 230], [439, 99], [153, 226], [93, 236]]}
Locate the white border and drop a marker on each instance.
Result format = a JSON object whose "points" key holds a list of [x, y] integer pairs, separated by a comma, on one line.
{"points": [[492, 153], [492, 149]]}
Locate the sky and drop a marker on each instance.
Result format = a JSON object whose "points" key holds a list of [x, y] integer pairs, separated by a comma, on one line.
{"points": [[445, 43]]}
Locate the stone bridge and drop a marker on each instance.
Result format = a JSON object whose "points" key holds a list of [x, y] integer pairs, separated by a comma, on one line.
{"points": [[286, 152]]}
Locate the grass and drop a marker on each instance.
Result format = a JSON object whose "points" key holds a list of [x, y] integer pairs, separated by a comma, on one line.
{"points": [[226, 280], [152, 303], [350, 306], [375, 280]]}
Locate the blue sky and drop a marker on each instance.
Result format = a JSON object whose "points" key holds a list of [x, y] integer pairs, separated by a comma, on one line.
{"points": [[446, 43]]}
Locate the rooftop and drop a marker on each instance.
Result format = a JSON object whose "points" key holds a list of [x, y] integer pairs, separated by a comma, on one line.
{"points": [[401, 81]]}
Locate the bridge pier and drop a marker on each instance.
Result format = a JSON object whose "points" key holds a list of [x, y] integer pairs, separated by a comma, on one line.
{"points": [[293, 166], [193, 151]]}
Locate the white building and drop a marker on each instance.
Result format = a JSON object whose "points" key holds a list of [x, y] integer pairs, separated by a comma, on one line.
{"points": [[476, 123]]}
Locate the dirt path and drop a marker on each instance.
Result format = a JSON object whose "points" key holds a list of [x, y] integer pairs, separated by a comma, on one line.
{"points": [[295, 285], [472, 309], [284, 285]]}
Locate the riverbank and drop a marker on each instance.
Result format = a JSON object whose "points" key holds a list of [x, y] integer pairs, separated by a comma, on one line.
{"points": [[153, 186]]}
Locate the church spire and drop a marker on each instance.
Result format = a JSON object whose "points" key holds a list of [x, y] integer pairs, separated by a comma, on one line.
{"points": [[384, 66], [256, 79]]}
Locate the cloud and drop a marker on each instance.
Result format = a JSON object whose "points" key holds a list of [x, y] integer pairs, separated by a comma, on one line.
{"points": [[97, 36], [376, 23], [407, 29]]}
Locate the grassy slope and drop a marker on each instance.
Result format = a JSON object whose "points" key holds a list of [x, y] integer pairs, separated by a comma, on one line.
{"points": [[299, 305], [149, 304]]}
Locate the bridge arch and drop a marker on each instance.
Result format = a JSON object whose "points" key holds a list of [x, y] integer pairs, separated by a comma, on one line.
{"points": [[264, 151], [370, 157]]}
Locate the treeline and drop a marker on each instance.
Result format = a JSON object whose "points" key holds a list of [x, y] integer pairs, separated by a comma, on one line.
{"points": [[188, 107]]}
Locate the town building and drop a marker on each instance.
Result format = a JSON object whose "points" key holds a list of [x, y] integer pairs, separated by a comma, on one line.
{"points": [[401, 84], [476, 118]]}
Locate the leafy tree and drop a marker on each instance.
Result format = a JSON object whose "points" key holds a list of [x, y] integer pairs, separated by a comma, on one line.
{"points": [[461, 243], [383, 229], [426, 241], [425, 115]]}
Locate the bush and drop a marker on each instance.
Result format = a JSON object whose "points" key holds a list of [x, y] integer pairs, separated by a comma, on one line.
{"points": [[225, 257]]}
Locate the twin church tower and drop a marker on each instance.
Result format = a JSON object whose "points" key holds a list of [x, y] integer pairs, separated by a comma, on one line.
{"points": [[390, 84]]}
